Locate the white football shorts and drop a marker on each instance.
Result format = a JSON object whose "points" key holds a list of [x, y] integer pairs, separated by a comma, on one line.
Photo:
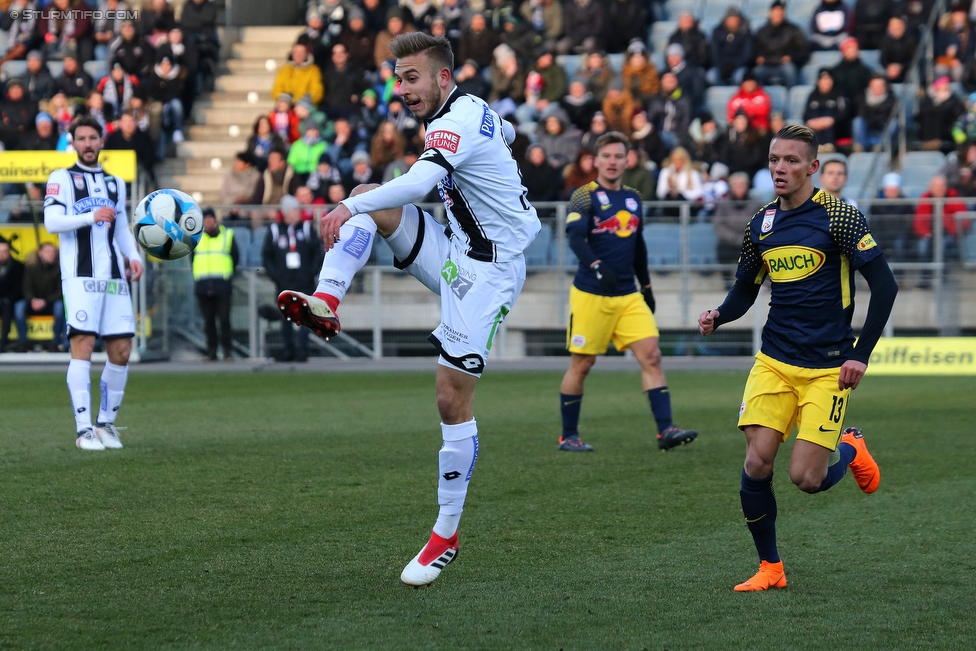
{"points": [[475, 296], [98, 307]]}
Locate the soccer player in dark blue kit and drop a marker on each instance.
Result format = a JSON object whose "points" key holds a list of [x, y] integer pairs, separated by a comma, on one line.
{"points": [[605, 231], [809, 244]]}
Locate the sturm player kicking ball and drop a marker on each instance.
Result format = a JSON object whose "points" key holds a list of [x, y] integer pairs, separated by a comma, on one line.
{"points": [[475, 263]]}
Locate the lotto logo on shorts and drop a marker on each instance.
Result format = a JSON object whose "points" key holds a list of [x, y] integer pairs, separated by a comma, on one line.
{"points": [[447, 140]]}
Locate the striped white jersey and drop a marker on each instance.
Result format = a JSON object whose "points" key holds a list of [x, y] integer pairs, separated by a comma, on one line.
{"points": [[89, 250]]}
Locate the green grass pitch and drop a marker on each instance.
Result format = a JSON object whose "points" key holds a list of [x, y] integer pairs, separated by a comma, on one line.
{"points": [[276, 510]]}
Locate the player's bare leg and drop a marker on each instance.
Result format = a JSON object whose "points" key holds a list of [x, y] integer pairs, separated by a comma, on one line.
{"points": [[648, 355], [456, 459], [759, 506], [319, 311], [571, 400]]}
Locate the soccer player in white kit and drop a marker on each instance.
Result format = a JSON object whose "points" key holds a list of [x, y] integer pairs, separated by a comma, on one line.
{"points": [[85, 206], [475, 263]]}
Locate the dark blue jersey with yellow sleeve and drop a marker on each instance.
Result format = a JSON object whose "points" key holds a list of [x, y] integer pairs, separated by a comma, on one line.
{"points": [[810, 254], [610, 222]]}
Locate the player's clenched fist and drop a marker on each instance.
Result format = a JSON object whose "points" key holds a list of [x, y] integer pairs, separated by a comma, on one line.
{"points": [[104, 214], [706, 322]]}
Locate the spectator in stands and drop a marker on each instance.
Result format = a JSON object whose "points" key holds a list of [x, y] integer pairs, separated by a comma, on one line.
{"points": [[679, 181], [542, 181], [891, 224], [937, 112], [691, 79], [596, 74], [752, 99], [578, 174], [897, 49], [284, 120], [582, 20], [873, 108], [851, 76], [478, 42], [262, 140], [116, 89], [367, 117], [922, 225], [670, 111], [19, 21], [870, 21], [401, 165], [640, 77], [833, 178], [517, 35], [731, 50], [44, 137], [964, 130], [182, 53], [779, 49], [315, 35], [456, 15], [418, 13], [107, 26], [241, 185], [644, 138], [507, 81], [344, 144], [404, 120], [715, 187], [140, 111], [374, 12], [359, 41], [42, 293], [299, 76], [386, 146], [559, 138], [292, 256], [545, 17], [624, 20], [62, 111], [74, 82], [128, 136], [277, 181], [544, 85], [637, 176], [337, 192], [38, 83], [827, 111], [469, 80], [334, 16], [11, 293], [954, 44], [67, 30], [730, 218], [742, 147], [701, 139], [325, 174], [17, 114], [133, 53], [579, 105], [304, 154], [395, 26], [362, 172], [198, 20], [95, 109], [157, 17], [166, 87], [693, 42], [829, 25], [598, 127], [619, 106], [343, 81]]}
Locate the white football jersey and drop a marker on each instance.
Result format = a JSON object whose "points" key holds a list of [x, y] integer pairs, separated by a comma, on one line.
{"points": [[486, 202], [88, 250]]}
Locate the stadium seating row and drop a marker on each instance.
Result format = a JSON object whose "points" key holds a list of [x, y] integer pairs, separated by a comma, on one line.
{"points": [[11, 69]]}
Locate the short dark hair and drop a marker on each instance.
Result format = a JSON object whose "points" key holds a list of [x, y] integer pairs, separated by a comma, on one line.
{"points": [[802, 134], [437, 48], [834, 161], [85, 121], [610, 138]]}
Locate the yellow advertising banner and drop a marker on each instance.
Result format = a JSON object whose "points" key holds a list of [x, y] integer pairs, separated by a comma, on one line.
{"points": [[36, 166], [924, 356], [23, 238]]}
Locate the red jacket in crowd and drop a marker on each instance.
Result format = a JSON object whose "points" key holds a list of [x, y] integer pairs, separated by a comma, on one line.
{"points": [[923, 215]]}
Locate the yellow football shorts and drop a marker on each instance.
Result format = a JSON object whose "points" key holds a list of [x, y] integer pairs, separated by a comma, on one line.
{"points": [[779, 396], [595, 321]]}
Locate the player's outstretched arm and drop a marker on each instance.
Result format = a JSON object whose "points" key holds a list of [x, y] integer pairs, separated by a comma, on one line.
{"points": [[740, 298], [883, 288]]}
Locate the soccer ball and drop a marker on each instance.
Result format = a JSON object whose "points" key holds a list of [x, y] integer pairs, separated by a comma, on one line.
{"points": [[168, 225]]}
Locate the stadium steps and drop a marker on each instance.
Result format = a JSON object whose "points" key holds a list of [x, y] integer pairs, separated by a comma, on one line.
{"points": [[222, 119]]}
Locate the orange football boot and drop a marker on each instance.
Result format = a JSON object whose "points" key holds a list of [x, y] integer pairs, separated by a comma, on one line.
{"points": [[863, 467], [770, 575]]}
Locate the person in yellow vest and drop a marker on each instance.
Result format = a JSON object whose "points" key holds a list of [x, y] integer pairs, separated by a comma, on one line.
{"points": [[214, 260]]}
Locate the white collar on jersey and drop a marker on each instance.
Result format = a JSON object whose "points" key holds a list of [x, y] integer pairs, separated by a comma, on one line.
{"points": [[97, 168], [453, 95]]}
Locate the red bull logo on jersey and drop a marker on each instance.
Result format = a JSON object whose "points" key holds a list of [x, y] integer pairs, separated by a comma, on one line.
{"points": [[623, 224], [787, 264]]}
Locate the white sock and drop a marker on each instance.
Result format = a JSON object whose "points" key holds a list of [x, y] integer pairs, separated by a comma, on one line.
{"points": [[112, 387], [79, 388], [348, 256], [455, 464]]}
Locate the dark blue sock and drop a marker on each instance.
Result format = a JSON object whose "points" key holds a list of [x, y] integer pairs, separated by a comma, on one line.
{"points": [[837, 471], [569, 406], [660, 400], [759, 507]]}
